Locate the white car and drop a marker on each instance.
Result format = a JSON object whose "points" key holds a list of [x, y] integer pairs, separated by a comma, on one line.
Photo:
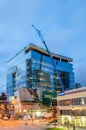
{"points": [[5, 118], [26, 117]]}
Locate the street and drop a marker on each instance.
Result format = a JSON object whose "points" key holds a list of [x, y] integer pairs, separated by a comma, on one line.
{"points": [[27, 125], [22, 125]]}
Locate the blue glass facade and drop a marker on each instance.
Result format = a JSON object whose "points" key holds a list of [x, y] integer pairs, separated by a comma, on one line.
{"points": [[32, 68]]}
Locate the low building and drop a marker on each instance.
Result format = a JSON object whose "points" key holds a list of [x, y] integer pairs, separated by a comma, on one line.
{"points": [[72, 107], [24, 101]]}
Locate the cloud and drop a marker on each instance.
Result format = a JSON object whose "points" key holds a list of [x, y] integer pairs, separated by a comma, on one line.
{"points": [[63, 24]]}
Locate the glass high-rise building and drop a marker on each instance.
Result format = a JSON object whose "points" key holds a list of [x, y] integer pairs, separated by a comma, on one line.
{"points": [[32, 68]]}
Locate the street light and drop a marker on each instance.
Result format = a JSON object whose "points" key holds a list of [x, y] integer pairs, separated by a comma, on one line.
{"points": [[73, 113], [38, 113], [24, 110]]}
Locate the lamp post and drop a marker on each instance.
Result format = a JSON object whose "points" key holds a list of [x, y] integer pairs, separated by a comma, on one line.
{"points": [[32, 106], [25, 100], [73, 113], [31, 114]]}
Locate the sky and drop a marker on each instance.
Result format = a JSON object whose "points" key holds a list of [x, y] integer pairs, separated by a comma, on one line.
{"points": [[63, 25]]}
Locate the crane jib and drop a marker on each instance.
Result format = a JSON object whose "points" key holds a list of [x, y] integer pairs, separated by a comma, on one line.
{"points": [[43, 41]]}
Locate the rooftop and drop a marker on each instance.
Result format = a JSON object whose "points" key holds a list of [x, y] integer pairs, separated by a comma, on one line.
{"points": [[32, 46], [43, 51]]}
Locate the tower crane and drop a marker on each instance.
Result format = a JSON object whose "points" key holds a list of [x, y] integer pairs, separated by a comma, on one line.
{"points": [[51, 58]]}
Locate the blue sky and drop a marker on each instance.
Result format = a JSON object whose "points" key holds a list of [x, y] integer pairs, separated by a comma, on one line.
{"points": [[62, 22]]}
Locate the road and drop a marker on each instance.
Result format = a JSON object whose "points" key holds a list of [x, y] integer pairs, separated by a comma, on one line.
{"points": [[26, 125], [21, 125]]}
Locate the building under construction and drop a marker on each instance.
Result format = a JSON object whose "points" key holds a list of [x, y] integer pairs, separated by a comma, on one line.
{"points": [[31, 68]]}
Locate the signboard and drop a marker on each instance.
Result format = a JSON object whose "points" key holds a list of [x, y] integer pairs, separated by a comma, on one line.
{"points": [[60, 93]]}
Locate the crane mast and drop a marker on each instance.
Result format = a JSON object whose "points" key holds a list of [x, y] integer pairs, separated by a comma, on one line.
{"points": [[51, 58]]}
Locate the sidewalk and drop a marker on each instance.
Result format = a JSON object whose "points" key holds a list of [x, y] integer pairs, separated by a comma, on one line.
{"points": [[80, 128], [71, 128]]}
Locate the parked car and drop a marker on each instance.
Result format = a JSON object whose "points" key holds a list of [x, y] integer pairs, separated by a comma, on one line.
{"points": [[5, 116]]}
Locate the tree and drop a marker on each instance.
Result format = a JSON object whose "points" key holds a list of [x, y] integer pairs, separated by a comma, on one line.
{"points": [[3, 96]]}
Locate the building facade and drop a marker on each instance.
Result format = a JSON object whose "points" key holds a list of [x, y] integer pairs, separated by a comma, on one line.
{"points": [[32, 68], [23, 100], [72, 107]]}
